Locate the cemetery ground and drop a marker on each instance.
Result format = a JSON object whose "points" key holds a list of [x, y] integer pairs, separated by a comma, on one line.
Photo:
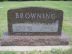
{"points": [[65, 6], [52, 51]]}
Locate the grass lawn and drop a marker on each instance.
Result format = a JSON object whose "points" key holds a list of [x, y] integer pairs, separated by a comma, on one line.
{"points": [[52, 51], [8, 52], [65, 6]]}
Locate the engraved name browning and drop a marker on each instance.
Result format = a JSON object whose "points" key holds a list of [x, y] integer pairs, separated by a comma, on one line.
{"points": [[36, 15]]}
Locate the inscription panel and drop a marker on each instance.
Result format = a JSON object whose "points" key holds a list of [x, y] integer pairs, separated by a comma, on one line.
{"points": [[26, 27]]}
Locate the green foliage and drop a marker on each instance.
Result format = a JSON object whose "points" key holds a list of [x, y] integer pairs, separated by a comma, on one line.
{"points": [[35, 0], [1, 0], [7, 52], [69, 51], [32, 52], [56, 51], [52, 51]]}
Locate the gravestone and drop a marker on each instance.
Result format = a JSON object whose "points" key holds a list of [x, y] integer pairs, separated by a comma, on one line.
{"points": [[35, 21], [35, 26]]}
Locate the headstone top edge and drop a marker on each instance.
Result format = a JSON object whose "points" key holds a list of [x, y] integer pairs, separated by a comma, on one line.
{"points": [[36, 7]]}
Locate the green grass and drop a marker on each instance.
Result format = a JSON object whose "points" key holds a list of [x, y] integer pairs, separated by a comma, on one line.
{"points": [[7, 52], [62, 5], [52, 51]]}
